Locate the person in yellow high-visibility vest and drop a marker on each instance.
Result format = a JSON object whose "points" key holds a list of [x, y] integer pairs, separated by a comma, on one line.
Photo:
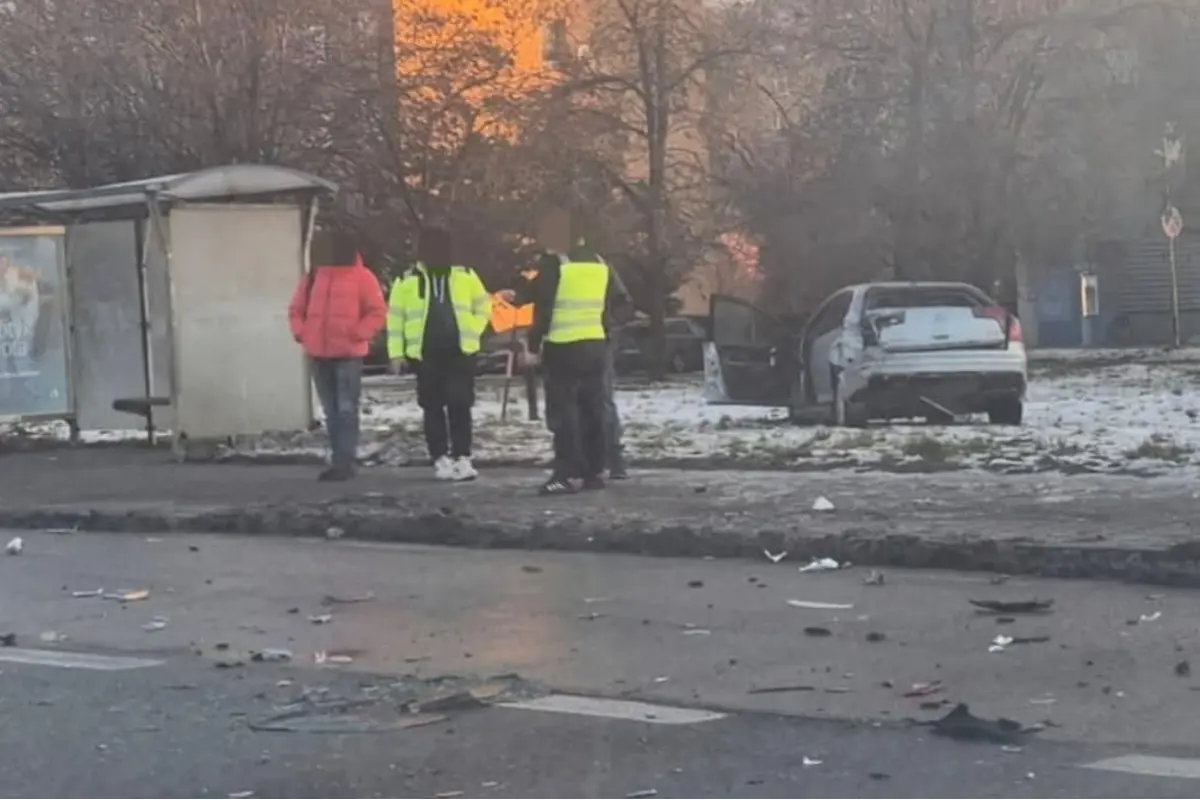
{"points": [[569, 337], [436, 317]]}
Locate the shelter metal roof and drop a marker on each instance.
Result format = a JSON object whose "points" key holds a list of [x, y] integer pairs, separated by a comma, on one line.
{"points": [[217, 183]]}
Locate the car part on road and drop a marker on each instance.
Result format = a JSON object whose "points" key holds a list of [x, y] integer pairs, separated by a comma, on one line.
{"points": [[999, 644], [85, 593], [822, 565], [320, 619], [156, 624], [129, 595], [962, 725], [1034, 606]]}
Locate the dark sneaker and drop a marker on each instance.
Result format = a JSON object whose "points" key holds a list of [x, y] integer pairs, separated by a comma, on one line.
{"points": [[338, 473], [593, 483], [556, 486]]}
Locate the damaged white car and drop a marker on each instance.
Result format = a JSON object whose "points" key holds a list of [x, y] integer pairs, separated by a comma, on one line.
{"points": [[938, 351]]}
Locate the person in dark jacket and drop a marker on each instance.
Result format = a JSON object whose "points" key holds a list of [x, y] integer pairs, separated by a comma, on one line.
{"points": [[436, 318], [572, 303]]}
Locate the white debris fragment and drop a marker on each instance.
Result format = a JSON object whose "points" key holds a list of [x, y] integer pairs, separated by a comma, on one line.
{"points": [[320, 619], [272, 654], [697, 632], [128, 595], [823, 504], [51, 637], [661, 679], [240, 795], [156, 624], [812, 762], [597, 599], [334, 532], [775, 558], [322, 657], [15, 546], [88, 593], [999, 643], [1150, 617], [873, 578], [819, 606], [821, 565]]}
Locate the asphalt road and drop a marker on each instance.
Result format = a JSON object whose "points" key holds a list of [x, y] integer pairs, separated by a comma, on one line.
{"points": [[181, 730], [180, 725]]}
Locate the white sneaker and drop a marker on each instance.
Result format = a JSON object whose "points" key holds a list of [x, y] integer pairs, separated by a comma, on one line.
{"points": [[464, 470], [443, 469]]}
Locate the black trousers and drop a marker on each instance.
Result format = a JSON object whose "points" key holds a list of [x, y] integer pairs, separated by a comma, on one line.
{"points": [[575, 407], [446, 393]]}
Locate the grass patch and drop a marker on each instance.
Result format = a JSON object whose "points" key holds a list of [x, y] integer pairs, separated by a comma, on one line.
{"points": [[1162, 448]]}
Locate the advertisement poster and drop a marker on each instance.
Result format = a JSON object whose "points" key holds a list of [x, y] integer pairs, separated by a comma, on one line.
{"points": [[34, 374]]}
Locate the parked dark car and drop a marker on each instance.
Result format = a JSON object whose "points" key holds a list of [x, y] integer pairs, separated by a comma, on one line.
{"points": [[685, 345]]}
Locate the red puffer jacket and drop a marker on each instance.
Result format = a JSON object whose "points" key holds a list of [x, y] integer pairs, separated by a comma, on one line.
{"points": [[339, 314]]}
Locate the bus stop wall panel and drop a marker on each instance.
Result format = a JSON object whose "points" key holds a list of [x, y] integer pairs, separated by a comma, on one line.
{"points": [[233, 271], [106, 311]]}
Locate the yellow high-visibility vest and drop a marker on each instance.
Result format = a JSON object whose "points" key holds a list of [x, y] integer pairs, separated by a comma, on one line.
{"points": [[579, 303], [408, 308]]}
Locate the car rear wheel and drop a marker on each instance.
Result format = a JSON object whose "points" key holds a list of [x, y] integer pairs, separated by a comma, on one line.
{"points": [[1006, 411]]}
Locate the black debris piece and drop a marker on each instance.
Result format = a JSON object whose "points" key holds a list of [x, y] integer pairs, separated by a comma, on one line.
{"points": [[531, 568], [876, 636], [695, 584], [781, 689], [961, 724], [1183, 669], [1030, 639], [815, 631], [8, 640], [879, 776], [1034, 606]]}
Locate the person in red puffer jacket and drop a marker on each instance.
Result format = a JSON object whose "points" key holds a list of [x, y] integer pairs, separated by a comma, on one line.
{"points": [[335, 313]]}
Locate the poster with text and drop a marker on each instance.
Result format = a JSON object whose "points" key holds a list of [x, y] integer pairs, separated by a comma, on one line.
{"points": [[34, 365]]}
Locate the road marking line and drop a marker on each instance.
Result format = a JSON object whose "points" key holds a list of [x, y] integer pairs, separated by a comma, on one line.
{"points": [[1158, 766], [58, 658], [615, 709]]}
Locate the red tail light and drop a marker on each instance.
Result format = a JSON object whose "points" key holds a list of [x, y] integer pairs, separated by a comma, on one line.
{"points": [[1015, 334]]}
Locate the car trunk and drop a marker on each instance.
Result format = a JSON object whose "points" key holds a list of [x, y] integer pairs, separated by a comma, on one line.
{"points": [[937, 328]]}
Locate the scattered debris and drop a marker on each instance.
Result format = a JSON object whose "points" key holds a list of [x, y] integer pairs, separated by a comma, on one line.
{"points": [[811, 762], [695, 584], [334, 532], [490, 784], [52, 636], [817, 631], [284, 683], [320, 619], [272, 654], [531, 568], [1011, 748], [874, 578], [1000, 643], [697, 632], [775, 559], [823, 504], [644, 793], [1030, 639], [344, 600], [193, 548], [15, 546], [153, 540], [8, 640], [876, 636], [156, 624], [781, 689], [1150, 617], [228, 663], [1034, 606], [1043, 701], [821, 565], [961, 724], [128, 595], [322, 657], [591, 616], [661, 679], [924, 689], [88, 593], [1183, 669], [819, 606]]}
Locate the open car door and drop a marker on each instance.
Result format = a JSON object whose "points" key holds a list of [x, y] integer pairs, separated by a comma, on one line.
{"points": [[750, 357]]}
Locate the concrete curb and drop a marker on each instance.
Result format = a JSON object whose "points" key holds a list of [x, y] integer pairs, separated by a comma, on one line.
{"points": [[393, 521]]}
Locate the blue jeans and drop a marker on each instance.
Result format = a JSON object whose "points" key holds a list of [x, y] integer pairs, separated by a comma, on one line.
{"points": [[339, 386]]}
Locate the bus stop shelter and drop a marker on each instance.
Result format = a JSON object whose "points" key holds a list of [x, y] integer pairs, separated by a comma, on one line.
{"points": [[159, 303]]}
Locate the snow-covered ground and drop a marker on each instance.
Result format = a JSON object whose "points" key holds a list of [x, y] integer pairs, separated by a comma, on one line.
{"points": [[1104, 411]]}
